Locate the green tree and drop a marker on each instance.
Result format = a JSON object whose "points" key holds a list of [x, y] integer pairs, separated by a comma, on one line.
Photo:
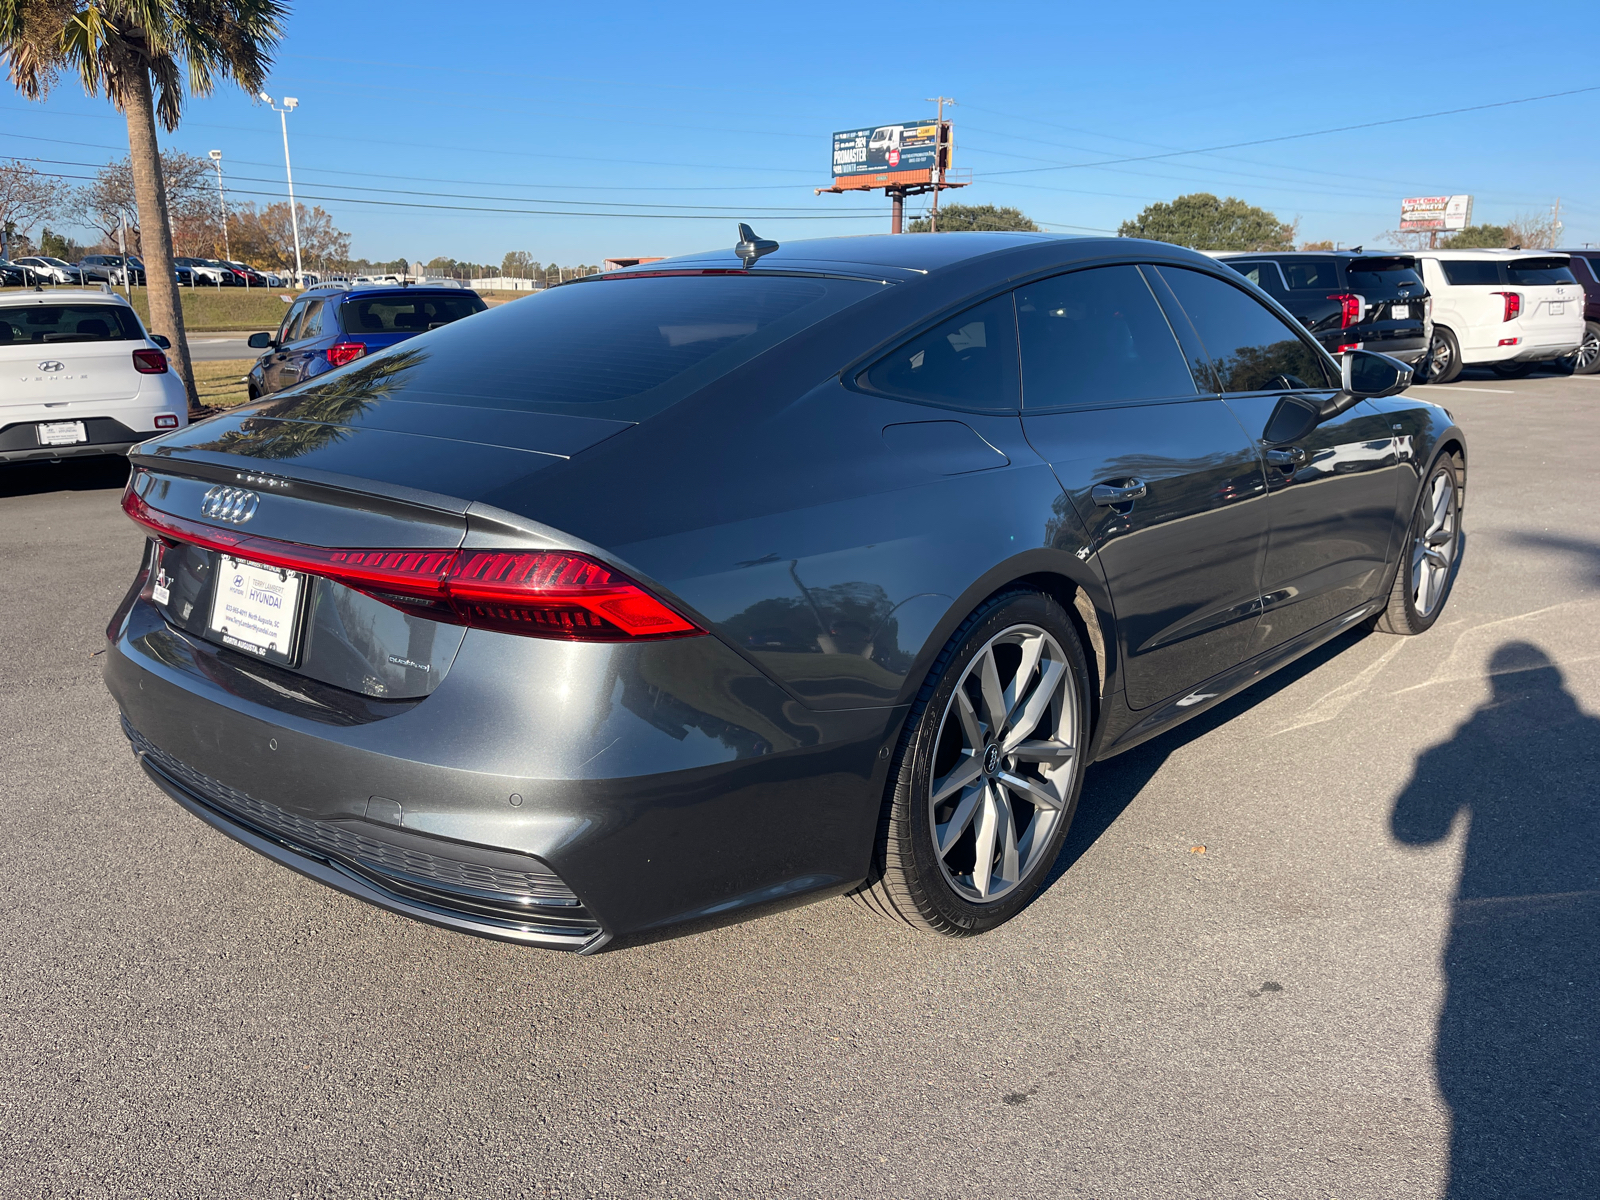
{"points": [[1203, 222], [136, 53], [1473, 237], [519, 264], [963, 218]]}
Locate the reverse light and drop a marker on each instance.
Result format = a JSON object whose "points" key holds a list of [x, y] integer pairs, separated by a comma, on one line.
{"points": [[345, 352], [536, 593], [149, 362], [1513, 305], [1351, 308]]}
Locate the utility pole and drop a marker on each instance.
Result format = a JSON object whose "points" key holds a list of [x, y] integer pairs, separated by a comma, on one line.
{"points": [[1555, 222], [938, 163], [222, 204], [289, 105], [122, 248]]}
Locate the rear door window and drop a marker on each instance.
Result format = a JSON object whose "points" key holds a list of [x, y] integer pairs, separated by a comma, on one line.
{"points": [[48, 323], [1265, 275], [407, 312], [1471, 272], [1251, 346], [968, 361], [1381, 274], [1536, 272], [1096, 337], [1312, 274]]}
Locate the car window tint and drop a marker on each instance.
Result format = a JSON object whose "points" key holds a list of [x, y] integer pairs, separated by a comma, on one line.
{"points": [[1380, 274], [1096, 337], [1253, 348], [408, 312], [41, 323], [310, 322], [1263, 274], [1310, 273], [969, 361], [291, 322], [1471, 272], [1532, 272]]}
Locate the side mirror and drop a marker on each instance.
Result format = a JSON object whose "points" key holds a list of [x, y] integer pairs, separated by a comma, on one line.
{"points": [[259, 341], [1366, 375], [1291, 420], [161, 340]]}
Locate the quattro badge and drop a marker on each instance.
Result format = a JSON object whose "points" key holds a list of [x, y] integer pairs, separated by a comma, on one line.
{"points": [[234, 505]]}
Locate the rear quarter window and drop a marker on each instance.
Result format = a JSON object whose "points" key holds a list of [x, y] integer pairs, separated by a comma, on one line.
{"points": [[1471, 272], [1311, 274], [1534, 272], [45, 323]]}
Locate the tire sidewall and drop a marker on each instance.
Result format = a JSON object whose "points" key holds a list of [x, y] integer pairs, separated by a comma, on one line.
{"points": [[913, 781]]}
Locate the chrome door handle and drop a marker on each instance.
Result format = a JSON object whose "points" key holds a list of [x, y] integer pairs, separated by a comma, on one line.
{"points": [[1112, 494], [1291, 456]]}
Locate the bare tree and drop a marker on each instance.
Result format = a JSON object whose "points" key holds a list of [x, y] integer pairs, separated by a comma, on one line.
{"points": [[27, 197], [110, 199]]}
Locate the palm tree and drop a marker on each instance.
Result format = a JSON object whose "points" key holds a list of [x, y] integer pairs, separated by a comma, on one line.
{"points": [[135, 52]]}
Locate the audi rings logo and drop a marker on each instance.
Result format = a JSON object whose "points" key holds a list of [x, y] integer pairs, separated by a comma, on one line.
{"points": [[50, 366], [234, 505]]}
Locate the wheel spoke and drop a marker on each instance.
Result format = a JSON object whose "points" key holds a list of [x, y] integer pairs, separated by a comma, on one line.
{"points": [[961, 775], [1048, 750], [988, 827], [1033, 711], [1010, 872], [1031, 790], [969, 720], [948, 834], [994, 701], [1441, 503], [1032, 649]]}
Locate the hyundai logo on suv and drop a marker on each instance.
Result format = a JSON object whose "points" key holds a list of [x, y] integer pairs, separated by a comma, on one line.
{"points": [[229, 504], [52, 366]]}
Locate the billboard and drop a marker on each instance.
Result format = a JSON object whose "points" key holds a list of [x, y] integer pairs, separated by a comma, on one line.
{"points": [[882, 155], [1435, 212]]}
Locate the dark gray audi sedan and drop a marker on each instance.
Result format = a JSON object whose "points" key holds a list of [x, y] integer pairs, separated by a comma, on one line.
{"points": [[680, 593]]}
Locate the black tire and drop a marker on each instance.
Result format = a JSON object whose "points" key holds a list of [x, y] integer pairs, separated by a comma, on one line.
{"points": [[1408, 613], [1586, 359], [1512, 370], [1444, 356], [911, 881]]}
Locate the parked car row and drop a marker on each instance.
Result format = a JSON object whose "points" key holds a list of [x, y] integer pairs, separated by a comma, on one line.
{"points": [[119, 269], [1443, 310]]}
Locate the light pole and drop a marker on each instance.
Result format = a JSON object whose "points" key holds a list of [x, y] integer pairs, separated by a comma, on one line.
{"points": [[222, 203], [289, 105]]}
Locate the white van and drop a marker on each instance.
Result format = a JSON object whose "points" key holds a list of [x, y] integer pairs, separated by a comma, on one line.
{"points": [[1505, 309], [80, 376]]}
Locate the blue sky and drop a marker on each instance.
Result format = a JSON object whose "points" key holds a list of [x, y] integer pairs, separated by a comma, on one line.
{"points": [[702, 114]]}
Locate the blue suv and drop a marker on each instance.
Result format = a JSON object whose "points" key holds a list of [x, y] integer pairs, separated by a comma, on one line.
{"points": [[328, 327]]}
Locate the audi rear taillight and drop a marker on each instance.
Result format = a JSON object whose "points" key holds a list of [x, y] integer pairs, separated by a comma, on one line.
{"points": [[345, 352], [149, 362], [1351, 308], [538, 593], [1513, 301]]}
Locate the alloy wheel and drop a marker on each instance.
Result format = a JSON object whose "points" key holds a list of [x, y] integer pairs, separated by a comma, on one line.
{"points": [[1434, 547], [1588, 351], [1004, 764], [1439, 356]]}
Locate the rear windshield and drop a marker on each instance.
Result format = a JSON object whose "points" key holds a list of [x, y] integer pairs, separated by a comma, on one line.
{"points": [[1380, 274], [621, 348], [1471, 272], [69, 323], [407, 312], [1531, 272], [1307, 273]]}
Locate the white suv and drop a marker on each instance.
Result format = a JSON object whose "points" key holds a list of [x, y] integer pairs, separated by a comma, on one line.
{"points": [[1506, 309], [79, 376]]}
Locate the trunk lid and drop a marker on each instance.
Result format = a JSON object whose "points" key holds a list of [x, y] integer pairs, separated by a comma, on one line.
{"points": [[48, 372]]}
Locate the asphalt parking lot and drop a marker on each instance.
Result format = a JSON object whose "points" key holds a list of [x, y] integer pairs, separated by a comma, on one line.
{"points": [[1339, 938]]}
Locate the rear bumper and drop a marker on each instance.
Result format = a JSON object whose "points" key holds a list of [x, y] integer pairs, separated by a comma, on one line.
{"points": [[19, 441], [655, 785]]}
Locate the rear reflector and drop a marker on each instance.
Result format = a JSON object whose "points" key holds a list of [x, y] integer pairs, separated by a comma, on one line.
{"points": [[538, 593], [1509, 341], [149, 362], [345, 352], [166, 421], [1513, 306]]}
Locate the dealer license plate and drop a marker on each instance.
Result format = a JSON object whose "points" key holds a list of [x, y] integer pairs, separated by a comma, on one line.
{"points": [[62, 433], [1400, 312], [256, 609], [1557, 307]]}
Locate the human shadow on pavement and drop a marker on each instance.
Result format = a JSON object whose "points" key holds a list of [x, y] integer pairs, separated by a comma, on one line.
{"points": [[1518, 1054]]}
